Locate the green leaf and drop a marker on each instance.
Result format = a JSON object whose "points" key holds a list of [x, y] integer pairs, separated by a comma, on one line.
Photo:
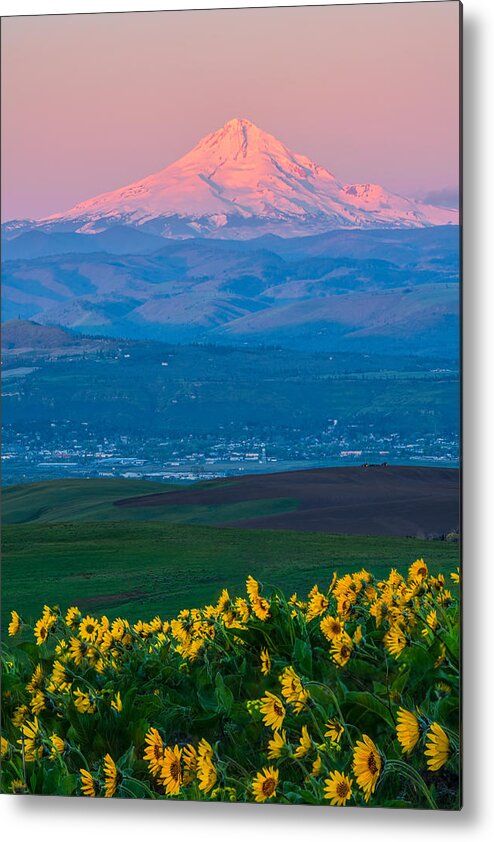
{"points": [[370, 703], [207, 697], [302, 657], [135, 788], [224, 695], [67, 784]]}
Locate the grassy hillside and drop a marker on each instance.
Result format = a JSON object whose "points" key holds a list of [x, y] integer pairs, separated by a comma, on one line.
{"points": [[379, 500], [137, 569], [71, 499], [75, 500]]}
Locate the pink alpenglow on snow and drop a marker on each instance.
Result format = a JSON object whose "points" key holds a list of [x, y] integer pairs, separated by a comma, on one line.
{"points": [[240, 180]]}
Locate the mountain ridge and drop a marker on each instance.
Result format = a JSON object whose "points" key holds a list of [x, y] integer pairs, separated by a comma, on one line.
{"points": [[361, 290], [237, 182]]}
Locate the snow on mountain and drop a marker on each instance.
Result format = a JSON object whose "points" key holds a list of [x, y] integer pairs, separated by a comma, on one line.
{"points": [[240, 182]]}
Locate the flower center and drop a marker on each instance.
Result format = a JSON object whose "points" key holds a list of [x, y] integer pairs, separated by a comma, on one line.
{"points": [[278, 709], [175, 770], [342, 789], [371, 763], [268, 787]]}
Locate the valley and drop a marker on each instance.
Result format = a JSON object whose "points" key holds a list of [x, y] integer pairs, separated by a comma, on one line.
{"points": [[83, 406]]}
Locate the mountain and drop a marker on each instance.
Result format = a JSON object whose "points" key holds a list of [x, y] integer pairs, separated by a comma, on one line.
{"points": [[19, 335], [239, 182], [376, 290], [118, 239]]}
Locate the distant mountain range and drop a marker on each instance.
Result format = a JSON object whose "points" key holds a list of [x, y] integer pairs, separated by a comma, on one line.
{"points": [[240, 182], [242, 241], [378, 290]]}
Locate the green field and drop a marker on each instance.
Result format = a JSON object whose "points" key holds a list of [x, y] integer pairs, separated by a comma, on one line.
{"points": [[139, 569], [71, 499], [76, 500]]}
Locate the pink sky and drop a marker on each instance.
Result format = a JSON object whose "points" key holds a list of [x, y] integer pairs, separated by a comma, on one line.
{"points": [[93, 102]]}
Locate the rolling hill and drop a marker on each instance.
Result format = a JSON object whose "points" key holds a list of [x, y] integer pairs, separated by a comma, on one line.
{"points": [[376, 500], [370, 290]]}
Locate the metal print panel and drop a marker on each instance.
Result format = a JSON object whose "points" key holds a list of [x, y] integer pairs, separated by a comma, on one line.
{"points": [[231, 361]]}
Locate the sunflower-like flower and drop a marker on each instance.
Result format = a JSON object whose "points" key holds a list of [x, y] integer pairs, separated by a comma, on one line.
{"points": [[171, 770], [441, 657], [265, 662], [242, 609], [418, 570], [73, 617], [4, 746], [58, 746], [20, 715], [367, 765], [189, 757], [334, 730], [37, 680], [77, 650], [341, 649], [116, 703], [206, 770], [432, 620], [141, 629], [260, 607], [88, 629], [190, 650], [378, 610], [305, 743], [274, 711], [223, 602], [277, 745], [59, 677], [205, 749], [316, 766], [83, 702], [292, 689], [41, 630], [331, 627], [265, 783], [437, 747], [455, 577], [119, 628], [88, 784], [252, 588], [395, 641], [318, 604], [154, 751], [15, 624], [445, 598], [111, 776], [38, 702], [18, 786], [338, 789], [32, 740], [407, 730]]}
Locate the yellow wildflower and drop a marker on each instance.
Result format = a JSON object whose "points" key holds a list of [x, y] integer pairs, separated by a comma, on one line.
{"points": [[265, 783], [15, 624], [273, 709], [338, 789]]}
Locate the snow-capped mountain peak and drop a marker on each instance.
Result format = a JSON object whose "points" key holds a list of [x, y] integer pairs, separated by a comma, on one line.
{"points": [[240, 181]]}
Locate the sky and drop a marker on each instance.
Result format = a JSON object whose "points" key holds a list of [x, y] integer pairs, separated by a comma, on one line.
{"points": [[93, 102]]}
